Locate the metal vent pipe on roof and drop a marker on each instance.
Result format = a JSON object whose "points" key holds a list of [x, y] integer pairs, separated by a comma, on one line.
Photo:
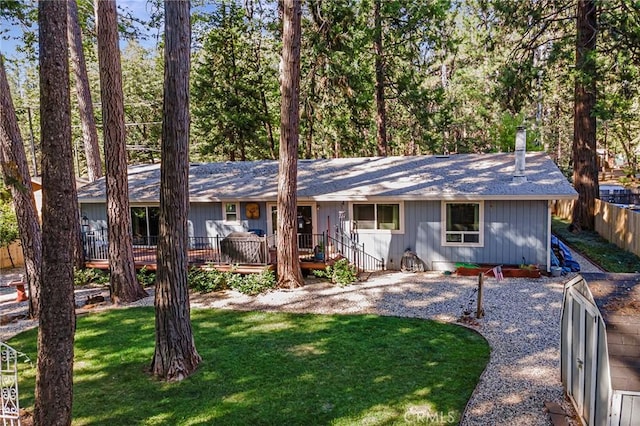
{"points": [[521, 149]]}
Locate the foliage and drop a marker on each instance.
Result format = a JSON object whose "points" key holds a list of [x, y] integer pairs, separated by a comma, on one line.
{"points": [[458, 77], [530, 267], [142, 86], [8, 224], [589, 243], [291, 369], [337, 89], [230, 88], [504, 134], [341, 273], [253, 284], [20, 14], [5, 193], [90, 276], [208, 280], [145, 277]]}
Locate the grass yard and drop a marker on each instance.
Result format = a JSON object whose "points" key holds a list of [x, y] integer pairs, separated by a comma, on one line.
{"points": [[271, 368], [609, 256]]}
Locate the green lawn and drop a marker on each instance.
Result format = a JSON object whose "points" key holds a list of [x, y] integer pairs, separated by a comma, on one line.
{"points": [[609, 256], [270, 368]]}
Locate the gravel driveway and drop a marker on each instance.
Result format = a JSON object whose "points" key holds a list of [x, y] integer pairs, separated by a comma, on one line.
{"points": [[521, 324]]}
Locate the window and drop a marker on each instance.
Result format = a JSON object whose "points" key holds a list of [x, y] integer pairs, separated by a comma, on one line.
{"points": [[145, 225], [231, 212], [463, 224], [377, 216]]}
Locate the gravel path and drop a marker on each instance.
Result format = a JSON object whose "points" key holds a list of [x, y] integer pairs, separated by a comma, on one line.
{"points": [[521, 324]]}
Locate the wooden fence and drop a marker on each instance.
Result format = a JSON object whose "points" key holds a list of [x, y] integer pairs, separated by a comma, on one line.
{"points": [[16, 254], [616, 224]]}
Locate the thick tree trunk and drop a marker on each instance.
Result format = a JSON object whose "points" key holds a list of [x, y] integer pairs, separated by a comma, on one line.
{"points": [[175, 354], [585, 168], [85, 104], [86, 114], [54, 375], [289, 274], [15, 172], [124, 284], [381, 111]]}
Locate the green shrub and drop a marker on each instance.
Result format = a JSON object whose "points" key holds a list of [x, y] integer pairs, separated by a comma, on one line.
{"points": [[214, 280], [234, 280], [206, 281], [253, 284], [90, 276], [341, 273], [8, 226], [146, 277]]}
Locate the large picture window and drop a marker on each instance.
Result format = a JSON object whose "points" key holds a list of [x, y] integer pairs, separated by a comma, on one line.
{"points": [[463, 224], [145, 225], [377, 217]]}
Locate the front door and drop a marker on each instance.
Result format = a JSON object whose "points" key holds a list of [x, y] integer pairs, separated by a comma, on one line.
{"points": [[305, 227], [304, 224]]}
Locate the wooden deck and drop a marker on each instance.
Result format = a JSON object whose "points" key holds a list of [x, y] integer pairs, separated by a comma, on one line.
{"points": [[223, 267], [145, 257], [312, 266]]}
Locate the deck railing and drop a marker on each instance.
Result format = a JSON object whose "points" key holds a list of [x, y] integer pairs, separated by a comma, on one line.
{"points": [[253, 250], [241, 250], [355, 252]]}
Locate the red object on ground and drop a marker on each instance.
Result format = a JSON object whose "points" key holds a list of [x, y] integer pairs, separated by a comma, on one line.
{"points": [[21, 293], [508, 271]]}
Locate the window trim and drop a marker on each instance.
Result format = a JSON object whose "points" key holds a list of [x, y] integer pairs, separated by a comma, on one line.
{"points": [[225, 218], [146, 208], [401, 218], [443, 225]]}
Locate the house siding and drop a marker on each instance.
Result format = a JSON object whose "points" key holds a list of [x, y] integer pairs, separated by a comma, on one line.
{"points": [[205, 219], [97, 215], [515, 232], [328, 217]]}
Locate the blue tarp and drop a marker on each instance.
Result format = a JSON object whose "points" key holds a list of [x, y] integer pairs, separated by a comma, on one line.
{"points": [[564, 259]]}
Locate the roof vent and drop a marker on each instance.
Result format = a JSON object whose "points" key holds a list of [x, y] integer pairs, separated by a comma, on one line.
{"points": [[521, 147]]}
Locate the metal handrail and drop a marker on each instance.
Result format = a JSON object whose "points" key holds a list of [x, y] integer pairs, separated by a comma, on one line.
{"points": [[356, 254]]}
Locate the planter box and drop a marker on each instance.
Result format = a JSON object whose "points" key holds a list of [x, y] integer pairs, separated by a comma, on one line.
{"points": [[509, 271]]}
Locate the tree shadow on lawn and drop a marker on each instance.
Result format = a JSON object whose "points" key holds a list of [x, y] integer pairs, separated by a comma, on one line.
{"points": [[271, 368]]}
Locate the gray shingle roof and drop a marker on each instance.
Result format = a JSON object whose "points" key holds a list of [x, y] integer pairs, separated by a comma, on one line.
{"points": [[461, 176]]}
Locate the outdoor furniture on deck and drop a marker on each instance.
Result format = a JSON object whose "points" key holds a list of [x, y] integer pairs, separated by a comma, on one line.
{"points": [[243, 247]]}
